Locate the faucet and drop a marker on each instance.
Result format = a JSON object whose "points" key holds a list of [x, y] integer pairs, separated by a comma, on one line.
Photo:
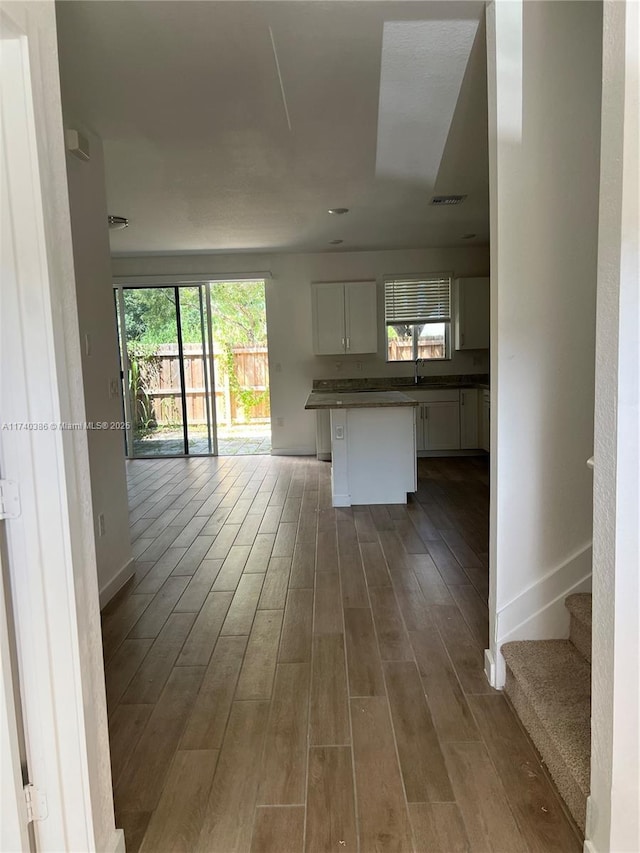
{"points": [[415, 373]]}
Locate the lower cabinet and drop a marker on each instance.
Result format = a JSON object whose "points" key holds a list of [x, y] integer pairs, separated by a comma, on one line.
{"points": [[448, 419], [438, 426], [323, 435], [469, 412], [485, 422], [437, 419]]}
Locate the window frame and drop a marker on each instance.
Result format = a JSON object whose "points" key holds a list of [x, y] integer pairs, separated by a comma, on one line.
{"points": [[448, 348]]}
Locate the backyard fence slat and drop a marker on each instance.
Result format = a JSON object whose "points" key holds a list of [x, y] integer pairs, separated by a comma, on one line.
{"points": [[162, 380]]}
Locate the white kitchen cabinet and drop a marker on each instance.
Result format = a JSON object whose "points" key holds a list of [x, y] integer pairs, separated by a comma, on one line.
{"points": [[344, 317], [323, 435], [469, 411], [485, 429], [420, 434], [471, 313], [441, 426], [437, 418]]}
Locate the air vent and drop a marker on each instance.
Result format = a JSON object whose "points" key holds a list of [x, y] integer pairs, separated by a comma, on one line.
{"points": [[117, 223], [447, 199]]}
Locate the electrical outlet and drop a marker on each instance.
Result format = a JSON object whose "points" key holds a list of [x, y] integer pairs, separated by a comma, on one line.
{"points": [[280, 422], [102, 528], [114, 389], [338, 365], [358, 365], [278, 367], [339, 432]]}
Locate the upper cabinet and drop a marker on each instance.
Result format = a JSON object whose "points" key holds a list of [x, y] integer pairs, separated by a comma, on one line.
{"points": [[471, 327], [344, 317]]}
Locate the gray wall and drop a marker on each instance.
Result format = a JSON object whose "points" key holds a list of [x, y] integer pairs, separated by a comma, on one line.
{"points": [[100, 367]]}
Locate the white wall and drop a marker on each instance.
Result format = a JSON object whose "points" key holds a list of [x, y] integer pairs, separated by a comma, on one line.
{"points": [[544, 99], [612, 815], [100, 365], [292, 363], [54, 584]]}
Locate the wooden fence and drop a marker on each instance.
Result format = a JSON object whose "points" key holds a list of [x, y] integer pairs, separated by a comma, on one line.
{"points": [[160, 373], [403, 350]]}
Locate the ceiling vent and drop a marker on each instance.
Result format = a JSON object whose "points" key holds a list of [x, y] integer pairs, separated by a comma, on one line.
{"points": [[447, 199], [117, 223]]}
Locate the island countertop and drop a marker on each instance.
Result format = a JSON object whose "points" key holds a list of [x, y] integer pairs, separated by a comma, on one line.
{"points": [[357, 400]]}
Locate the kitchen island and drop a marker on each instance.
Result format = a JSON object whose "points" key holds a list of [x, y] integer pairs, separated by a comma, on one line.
{"points": [[373, 445]]}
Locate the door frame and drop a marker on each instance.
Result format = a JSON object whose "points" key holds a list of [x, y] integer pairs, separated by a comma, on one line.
{"points": [[50, 543], [14, 828]]}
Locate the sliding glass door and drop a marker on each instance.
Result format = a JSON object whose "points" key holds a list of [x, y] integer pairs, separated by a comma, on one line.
{"points": [[194, 367], [166, 371]]}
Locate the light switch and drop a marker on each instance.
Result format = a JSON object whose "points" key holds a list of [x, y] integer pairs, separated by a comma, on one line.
{"points": [[339, 432]]}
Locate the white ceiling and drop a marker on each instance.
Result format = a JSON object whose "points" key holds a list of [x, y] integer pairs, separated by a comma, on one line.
{"points": [[386, 101]]}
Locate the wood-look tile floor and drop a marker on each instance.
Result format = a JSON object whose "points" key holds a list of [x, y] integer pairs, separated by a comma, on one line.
{"points": [[285, 676]]}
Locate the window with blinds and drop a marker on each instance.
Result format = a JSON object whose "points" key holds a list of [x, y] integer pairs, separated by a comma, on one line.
{"points": [[418, 317]]}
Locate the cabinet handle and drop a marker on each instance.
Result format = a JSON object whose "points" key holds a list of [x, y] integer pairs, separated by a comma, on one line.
{"points": [[343, 343], [348, 343]]}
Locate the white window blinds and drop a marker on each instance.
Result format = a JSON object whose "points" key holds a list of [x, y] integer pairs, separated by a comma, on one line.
{"points": [[419, 300]]}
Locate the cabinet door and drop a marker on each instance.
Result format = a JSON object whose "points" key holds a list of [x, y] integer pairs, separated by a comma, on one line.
{"points": [[419, 410], [328, 319], [486, 425], [323, 434], [472, 313], [469, 419], [361, 315], [442, 426]]}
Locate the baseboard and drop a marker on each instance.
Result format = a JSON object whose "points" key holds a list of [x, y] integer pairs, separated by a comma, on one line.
{"points": [[538, 613], [294, 451], [116, 583], [117, 842], [341, 500], [490, 667], [422, 454]]}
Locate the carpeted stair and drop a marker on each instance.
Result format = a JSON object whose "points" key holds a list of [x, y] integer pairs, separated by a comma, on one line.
{"points": [[549, 685]]}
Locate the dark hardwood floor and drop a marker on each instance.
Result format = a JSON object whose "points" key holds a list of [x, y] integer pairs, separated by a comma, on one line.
{"points": [[285, 676]]}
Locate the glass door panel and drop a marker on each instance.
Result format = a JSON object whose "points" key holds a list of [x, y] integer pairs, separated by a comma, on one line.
{"points": [[154, 375], [241, 386], [197, 375]]}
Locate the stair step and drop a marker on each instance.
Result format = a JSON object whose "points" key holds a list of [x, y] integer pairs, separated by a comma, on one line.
{"points": [[549, 685], [579, 607]]}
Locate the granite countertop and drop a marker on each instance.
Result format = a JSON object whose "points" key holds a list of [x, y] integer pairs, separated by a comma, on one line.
{"points": [[401, 383], [357, 400]]}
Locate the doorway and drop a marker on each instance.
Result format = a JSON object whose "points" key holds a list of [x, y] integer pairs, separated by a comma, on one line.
{"points": [[194, 369]]}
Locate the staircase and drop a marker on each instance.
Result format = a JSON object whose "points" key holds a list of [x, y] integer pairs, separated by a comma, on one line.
{"points": [[549, 685]]}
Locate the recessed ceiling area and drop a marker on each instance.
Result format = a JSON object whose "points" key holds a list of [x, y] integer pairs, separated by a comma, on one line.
{"points": [[236, 126]]}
